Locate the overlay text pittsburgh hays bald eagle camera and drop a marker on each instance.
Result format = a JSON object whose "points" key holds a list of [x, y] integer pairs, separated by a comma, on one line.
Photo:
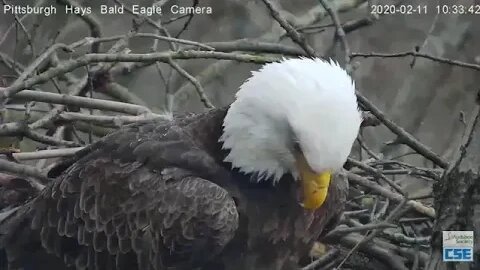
{"points": [[249, 186]]}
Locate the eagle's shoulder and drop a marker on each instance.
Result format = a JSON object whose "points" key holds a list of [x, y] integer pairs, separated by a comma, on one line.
{"points": [[104, 146], [181, 140]]}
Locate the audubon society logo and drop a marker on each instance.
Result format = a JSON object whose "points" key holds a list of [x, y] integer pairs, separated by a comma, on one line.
{"points": [[457, 246]]}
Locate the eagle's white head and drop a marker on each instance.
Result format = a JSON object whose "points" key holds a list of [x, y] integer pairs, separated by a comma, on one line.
{"points": [[297, 116]]}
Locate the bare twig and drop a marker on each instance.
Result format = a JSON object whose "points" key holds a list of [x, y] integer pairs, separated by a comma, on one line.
{"points": [[331, 254], [399, 237], [419, 207], [12, 26], [376, 250], [201, 92], [75, 89], [210, 73], [348, 26], [369, 120], [367, 149], [393, 215], [382, 211], [90, 19], [427, 37], [92, 40], [354, 212], [39, 60], [346, 230], [18, 21], [291, 32], [189, 20], [11, 129], [414, 219], [424, 173], [121, 93], [376, 173], [11, 64], [340, 33], [353, 25], [174, 19], [27, 132], [419, 54], [156, 25], [21, 129]]}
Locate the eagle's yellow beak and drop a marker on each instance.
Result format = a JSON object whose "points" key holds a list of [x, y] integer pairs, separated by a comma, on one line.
{"points": [[315, 185]]}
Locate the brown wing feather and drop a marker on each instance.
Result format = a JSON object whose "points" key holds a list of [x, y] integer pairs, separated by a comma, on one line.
{"points": [[133, 202]]}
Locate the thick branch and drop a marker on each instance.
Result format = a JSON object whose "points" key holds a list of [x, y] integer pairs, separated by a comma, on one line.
{"points": [[24, 170], [256, 46], [403, 135], [43, 154], [457, 198], [116, 120], [91, 103]]}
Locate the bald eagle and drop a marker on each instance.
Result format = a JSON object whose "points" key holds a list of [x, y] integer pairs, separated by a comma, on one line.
{"points": [[248, 186]]}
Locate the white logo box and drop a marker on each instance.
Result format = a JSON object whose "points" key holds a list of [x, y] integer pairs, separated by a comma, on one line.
{"points": [[458, 239]]}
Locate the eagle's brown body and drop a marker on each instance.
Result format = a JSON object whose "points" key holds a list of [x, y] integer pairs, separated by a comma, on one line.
{"points": [[159, 196]]}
